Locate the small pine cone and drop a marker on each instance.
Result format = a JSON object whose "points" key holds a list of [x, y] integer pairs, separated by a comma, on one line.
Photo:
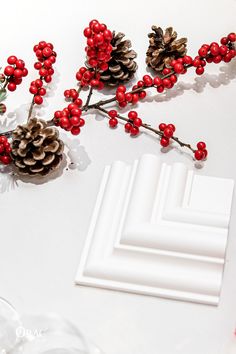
{"points": [[122, 66], [164, 47], [36, 148]]}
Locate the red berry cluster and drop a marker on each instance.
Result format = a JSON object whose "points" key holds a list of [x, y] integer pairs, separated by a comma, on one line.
{"points": [[5, 150], [133, 124], [168, 131], [201, 152], [123, 97], [99, 46], [89, 77], [70, 117], [15, 71], [46, 58]]}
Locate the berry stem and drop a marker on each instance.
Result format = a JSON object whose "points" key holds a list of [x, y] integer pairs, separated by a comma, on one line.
{"points": [[31, 108], [148, 127], [88, 99]]}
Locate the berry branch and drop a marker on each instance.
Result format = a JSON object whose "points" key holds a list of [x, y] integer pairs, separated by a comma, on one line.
{"points": [[36, 149]]}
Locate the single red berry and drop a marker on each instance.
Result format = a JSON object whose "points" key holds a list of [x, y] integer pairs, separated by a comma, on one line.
{"points": [[147, 80], [164, 141], [64, 122], [201, 145], [137, 122], [178, 68], [199, 154], [3, 139], [76, 112], [173, 78], [120, 96], [43, 72], [113, 122], [38, 83], [127, 127], [78, 102], [157, 81], [87, 32], [42, 44], [160, 89], [140, 83], [205, 152], [223, 49], [18, 73], [217, 59], [38, 65], [162, 126], [74, 120], [12, 60], [11, 86], [232, 37], [224, 40], [121, 88], [112, 113], [171, 126], [123, 104], [166, 71], [134, 131], [75, 130], [227, 58], [67, 93], [142, 94], [187, 60], [214, 49], [20, 64], [5, 159], [199, 70], [48, 79], [24, 72], [33, 90], [167, 82], [168, 132], [135, 98], [81, 122], [57, 114], [132, 115], [9, 70], [202, 52], [38, 99], [47, 52], [173, 62], [42, 91]]}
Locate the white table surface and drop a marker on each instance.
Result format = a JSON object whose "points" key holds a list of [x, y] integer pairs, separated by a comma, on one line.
{"points": [[43, 226]]}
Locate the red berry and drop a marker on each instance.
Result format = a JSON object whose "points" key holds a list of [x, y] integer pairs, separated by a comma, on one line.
{"points": [[223, 49], [157, 81], [127, 127], [75, 130], [9, 70], [5, 159], [33, 90], [81, 122], [57, 114], [18, 73], [202, 52], [37, 65], [164, 141], [168, 132], [135, 98], [47, 52], [113, 122], [38, 83], [160, 89], [42, 91], [166, 71], [173, 78], [3, 139], [187, 60], [214, 49], [217, 59], [43, 72], [199, 154], [87, 32], [120, 96], [78, 102], [12, 60], [199, 70], [171, 126], [64, 122], [205, 152], [11, 86], [147, 80], [142, 94], [74, 120], [67, 93], [20, 64], [162, 126], [76, 112], [178, 68], [113, 113], [24, 72], [201, 145], [138, 122], [123, 104], [132, 115], [134, 131], [224, 40], [38, 99], [48, 79], [121, 88], [167, 82], [232, 37]]}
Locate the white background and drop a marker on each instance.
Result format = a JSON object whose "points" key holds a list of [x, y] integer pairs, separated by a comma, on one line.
{"points": [[44, 225]]}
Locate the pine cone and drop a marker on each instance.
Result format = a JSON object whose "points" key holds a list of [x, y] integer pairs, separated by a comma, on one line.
{"points": [[121, 65], [36, 149], [163, 48]]}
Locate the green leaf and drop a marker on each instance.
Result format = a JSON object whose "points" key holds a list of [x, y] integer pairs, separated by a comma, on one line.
{"points": [[3, 94]]}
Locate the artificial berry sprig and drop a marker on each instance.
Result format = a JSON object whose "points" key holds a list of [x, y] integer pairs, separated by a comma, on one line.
{"points": [[46, 57], [5, 150], [14, 72]]}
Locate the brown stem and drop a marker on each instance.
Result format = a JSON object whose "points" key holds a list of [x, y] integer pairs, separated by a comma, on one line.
{"points": [[148, 127], [88, 99], [31, 108]]}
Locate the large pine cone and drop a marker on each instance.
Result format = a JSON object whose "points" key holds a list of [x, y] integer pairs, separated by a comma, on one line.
{"points": [[121, 65], [36, 149], [164, 47]]}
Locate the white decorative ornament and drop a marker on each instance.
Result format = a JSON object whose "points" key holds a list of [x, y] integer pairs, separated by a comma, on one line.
{"points": [[158, 230]]}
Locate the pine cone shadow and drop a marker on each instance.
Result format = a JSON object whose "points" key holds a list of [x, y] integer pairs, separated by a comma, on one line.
{"points": [[227, 74], [78, 156]]}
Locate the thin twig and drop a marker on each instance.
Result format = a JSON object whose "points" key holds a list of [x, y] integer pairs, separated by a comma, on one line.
{"points": [[148, 127], [88, 99], [31, 108]]}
